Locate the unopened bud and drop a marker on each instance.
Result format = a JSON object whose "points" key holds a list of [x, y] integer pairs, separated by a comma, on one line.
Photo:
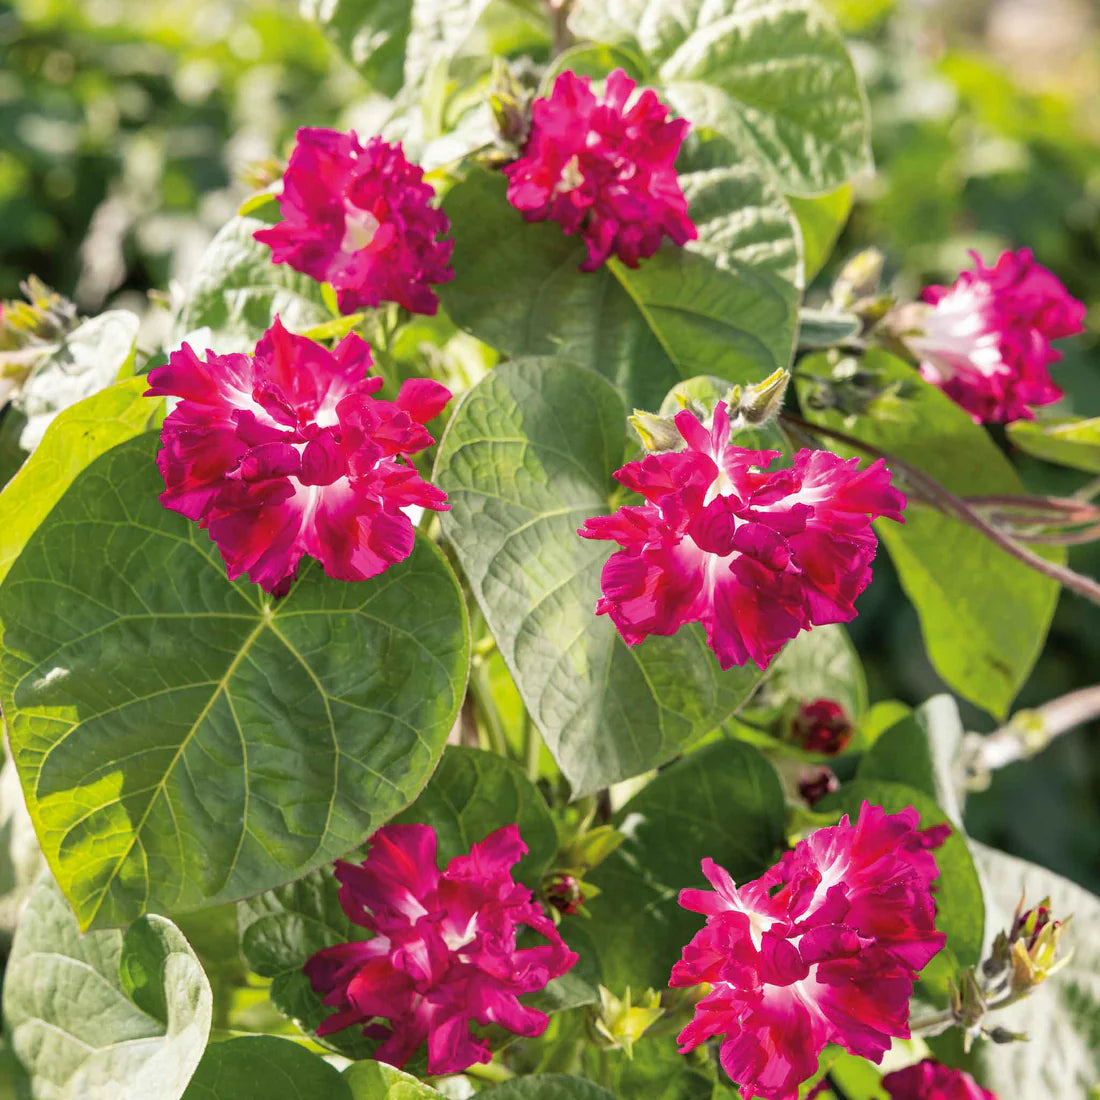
{"points": [[821, 726], [657, 433], [563, 893], [620, 1024], [1003, 1035], [859, 277], [815, 783], [510, 103], [1034, 940], [758, 404]]}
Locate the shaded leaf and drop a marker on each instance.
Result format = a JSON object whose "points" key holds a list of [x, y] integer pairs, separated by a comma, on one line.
{"points": [[261, 1067], [527, 456], [723, 801], [724, 306]]}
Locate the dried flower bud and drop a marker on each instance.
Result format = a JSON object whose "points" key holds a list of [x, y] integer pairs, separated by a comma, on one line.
{"points": [[1033, 940], [821, 726], [563, 893]]}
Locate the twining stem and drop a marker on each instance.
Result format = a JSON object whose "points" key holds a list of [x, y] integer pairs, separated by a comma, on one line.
{"points": [[1027, 733], [941, 498]]}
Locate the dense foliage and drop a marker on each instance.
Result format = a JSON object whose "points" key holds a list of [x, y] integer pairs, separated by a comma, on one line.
{"points": [[399, 630]]}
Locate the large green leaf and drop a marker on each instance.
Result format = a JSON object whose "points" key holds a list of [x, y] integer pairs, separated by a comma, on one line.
{"points": [[771, 74], [184, 741], [726, 305], [104, 1014], [821, 219], [723, 801], [1072, 442], [1062, 1018], [78, 435], [471, 794], [261, 1067], [959, 906], [819, 664], [237, 290], [527, 457], [548, 1086], [982, 644]]}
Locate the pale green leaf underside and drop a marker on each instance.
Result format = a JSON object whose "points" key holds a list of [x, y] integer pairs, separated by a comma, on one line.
{"points": [[1072, 442], [725, 305], [181, 740], [377, 1081], [237, 290], [771, 74], [104, 1014], [527, 457], [983, 644]]}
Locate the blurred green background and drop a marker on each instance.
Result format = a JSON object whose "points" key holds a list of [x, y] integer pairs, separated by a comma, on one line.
{"points": [[128, 128]]}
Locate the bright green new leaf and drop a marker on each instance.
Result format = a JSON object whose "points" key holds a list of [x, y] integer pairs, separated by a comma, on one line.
{"points": [[237, 291], [922, 749], [726, 305], [106, 1013], [959, 905], [376, 1081], [78, 435], [1073, 442], [183, 740], [775, 77], [982, 644], [723, 801], [821, 220], [261, 1067], [527, 457]]}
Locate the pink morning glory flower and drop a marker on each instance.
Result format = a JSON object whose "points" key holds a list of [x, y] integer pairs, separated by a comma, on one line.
{"points": [[929, 1080], [442, 954], [755, 556], [823, 948], [286, 453], [361, 218], [604, 168], [986, 340]]}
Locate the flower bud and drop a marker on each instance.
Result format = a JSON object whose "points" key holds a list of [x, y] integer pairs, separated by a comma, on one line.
{"points": [[1033, 950], [859, 277], [821, 726], [815, 783], [563, 893], [620, 1024]]}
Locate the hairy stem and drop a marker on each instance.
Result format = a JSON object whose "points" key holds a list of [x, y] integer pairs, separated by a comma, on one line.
{"points": [[941, 498]]}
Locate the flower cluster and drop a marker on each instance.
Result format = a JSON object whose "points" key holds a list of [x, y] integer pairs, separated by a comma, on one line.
{"points": [[603, 168], [754, 556], [443, 951], [986, 340], [823, 948], [361, 218], [929, 1080], [286, 453]]}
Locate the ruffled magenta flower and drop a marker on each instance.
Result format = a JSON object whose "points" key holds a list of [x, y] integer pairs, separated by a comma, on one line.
{"points": [[986, 341], [754, 556], [443, 951], [929, 1080], [361, 218], [604, 168], [823, 948], [286, 452]]}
